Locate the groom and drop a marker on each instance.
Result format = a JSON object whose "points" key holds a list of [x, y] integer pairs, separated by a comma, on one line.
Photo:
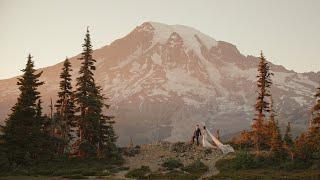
{"points": [[196, 134]]}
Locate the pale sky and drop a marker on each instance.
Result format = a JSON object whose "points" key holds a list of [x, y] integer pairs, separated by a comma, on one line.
{"points": [[288, 31]]}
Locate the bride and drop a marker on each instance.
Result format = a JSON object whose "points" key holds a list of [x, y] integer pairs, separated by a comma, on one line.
{"points": [[205, 142], [225, 148]]}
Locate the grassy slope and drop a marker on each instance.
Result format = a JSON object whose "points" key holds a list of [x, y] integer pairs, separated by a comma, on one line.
{"points": [[68, 168], [266, 172]]}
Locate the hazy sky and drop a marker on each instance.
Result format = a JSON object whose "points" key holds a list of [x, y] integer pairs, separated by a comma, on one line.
{"points": [[287, 31]]}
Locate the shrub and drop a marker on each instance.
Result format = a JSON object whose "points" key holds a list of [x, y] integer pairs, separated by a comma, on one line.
{"points": [[303, 150], [294, 165], [196, 168], [180, 147], [243, 141], [224, 164], [172, 163], [123, 168], [139, 173], [87, 148], [265, 160], [176, 175], [208, 151], [47, 172], [116, 158], [4, 161], [243, 160], [316, 154], [131, 151], [76, 176], [88, 172], [316, 165], [62, 167]]}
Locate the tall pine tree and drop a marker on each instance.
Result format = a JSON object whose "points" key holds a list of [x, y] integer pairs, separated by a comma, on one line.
{"points": [[262, 105], [316, 111], [23, 126], [313, 134], [287, 138], [276, 144], [65, 107], [288, 142], [96, 132], [271, 125]]}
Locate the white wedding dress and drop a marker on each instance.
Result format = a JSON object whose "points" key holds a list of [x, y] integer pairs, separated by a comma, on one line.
{"points": [[205, 142], [225, 148]]}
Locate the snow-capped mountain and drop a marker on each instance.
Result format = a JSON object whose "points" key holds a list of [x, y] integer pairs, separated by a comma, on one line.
{"points": [[162, 80]]}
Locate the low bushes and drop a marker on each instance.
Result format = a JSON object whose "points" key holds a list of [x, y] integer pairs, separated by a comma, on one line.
{"points": [[245, 160], [197, 168], [245, 165], [67, 167], [180, 147], [176, 175], [75, 176], [172, 163], [139, 173], [131, 151]]}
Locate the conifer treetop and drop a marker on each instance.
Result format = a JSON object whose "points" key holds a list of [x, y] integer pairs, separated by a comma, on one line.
{"points": [[28, 83]]}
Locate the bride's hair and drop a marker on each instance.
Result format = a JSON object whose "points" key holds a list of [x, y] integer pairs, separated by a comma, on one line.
{"points": [[204, 127]]}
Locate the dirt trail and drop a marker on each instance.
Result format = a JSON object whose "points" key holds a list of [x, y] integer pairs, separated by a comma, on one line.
{"points": [[212, 169]]}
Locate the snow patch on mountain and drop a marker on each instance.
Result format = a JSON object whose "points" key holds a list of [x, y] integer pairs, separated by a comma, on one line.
{"points": [[159, 92], [235, 72], [183, 83], [214, 76], [135, 67], [130, 58], [300, 100], [305, 80], [281, 78], [156, 58], [162, 32], [191, 102]]}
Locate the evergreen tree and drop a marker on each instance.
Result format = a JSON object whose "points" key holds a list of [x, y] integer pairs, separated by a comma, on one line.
{"points": [[95, 129], [65, 108], [271, 126], [107, 136], [288, 143], [23, 126], [262, 106], [276, 144], [287, 138], [313, 134], [307, 145], [39, 109], [302, 148], [245, 140], [316, 111]]}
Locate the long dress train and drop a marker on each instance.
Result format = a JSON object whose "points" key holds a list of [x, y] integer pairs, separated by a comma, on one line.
{"points": [[225, 148], [205, 142]]}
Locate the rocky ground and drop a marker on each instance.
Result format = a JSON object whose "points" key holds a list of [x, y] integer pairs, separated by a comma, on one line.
{"points": [[153, 156], [186, 161]]}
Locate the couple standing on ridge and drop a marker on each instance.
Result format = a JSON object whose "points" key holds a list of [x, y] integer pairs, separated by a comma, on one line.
{"points": [[210, 142], [196, 135]]}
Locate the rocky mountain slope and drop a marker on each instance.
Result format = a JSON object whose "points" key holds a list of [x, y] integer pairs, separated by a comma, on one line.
{"points": [[162, 79]]}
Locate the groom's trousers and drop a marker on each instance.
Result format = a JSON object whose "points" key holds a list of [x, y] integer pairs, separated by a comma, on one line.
{"points": [[197, 137]]}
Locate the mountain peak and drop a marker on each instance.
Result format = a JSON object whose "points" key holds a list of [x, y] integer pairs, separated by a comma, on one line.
{"points": [[192, 38]]}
